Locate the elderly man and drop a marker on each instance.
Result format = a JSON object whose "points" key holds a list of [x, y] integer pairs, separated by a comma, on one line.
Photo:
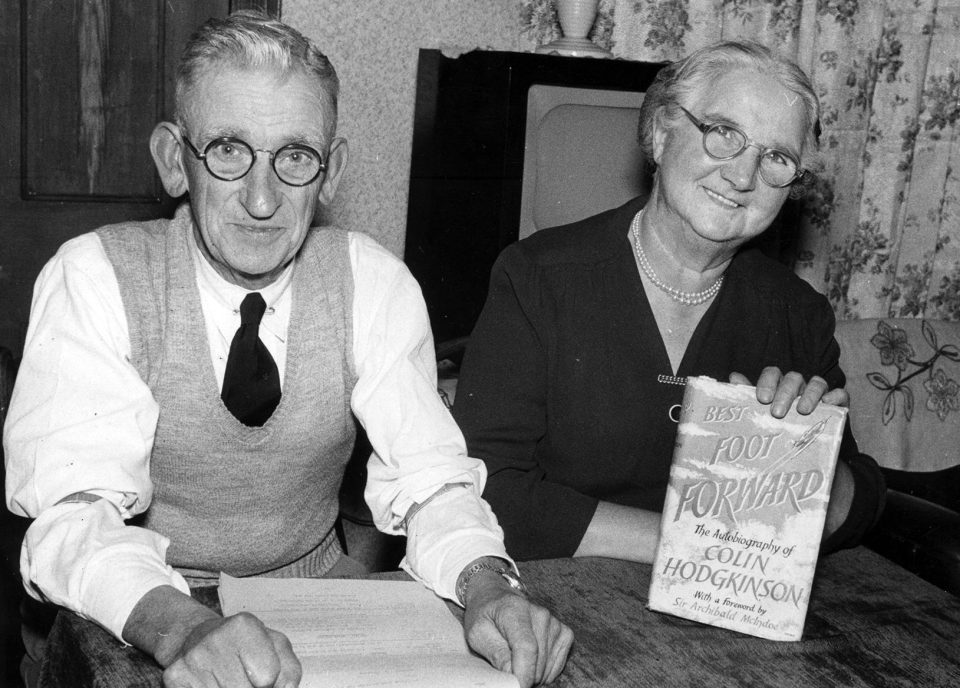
{"points": [[200, 373]]}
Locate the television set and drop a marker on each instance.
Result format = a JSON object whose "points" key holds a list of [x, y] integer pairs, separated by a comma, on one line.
{"points": [[506, 144], [580, 154]]}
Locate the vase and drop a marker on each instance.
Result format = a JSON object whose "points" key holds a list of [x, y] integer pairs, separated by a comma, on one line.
{"points": [[576, 19]]}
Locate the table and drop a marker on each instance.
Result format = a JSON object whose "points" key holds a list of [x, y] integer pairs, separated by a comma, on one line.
{"points": [[870, 624]]}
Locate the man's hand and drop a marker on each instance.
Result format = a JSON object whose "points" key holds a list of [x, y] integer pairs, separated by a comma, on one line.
{"points": [[197, 647], [779, 390], [513, 633], [234, 651]]}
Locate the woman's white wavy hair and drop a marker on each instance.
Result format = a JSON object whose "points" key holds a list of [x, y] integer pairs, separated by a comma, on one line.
{"points": [[680, 82]]}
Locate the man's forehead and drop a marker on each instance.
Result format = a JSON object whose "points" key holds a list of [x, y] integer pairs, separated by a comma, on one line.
{"points": [[233, 101]]}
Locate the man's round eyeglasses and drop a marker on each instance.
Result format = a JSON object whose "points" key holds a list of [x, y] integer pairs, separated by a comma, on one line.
{"points": [[228, 158], [725, 141]]}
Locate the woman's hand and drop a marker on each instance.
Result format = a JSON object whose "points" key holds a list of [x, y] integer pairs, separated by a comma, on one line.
{"points": [[779, 390]]}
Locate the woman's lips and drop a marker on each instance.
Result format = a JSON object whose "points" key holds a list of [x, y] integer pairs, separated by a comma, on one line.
{"points": [[722, 200]]}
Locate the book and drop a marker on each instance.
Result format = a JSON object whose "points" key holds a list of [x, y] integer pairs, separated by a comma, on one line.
{"points": [[744, 512], [362, 633]]}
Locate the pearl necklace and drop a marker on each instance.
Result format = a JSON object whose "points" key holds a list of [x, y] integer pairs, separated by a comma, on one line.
{"points": [[687, 298]]}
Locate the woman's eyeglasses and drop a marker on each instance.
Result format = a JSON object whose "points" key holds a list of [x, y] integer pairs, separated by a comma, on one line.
{"points": [[725, 141]]}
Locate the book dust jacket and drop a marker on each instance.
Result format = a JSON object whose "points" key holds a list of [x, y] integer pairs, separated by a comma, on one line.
{"points": [[744, 511]]}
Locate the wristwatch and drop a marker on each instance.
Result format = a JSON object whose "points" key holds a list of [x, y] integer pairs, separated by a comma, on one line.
{"points": [[507, 573]]}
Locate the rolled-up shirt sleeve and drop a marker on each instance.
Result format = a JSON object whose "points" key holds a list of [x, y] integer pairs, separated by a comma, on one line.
{"points": [[82, 421], [418, 448]]}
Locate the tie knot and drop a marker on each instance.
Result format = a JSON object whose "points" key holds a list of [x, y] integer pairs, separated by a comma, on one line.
{"points": [[252, 309]]}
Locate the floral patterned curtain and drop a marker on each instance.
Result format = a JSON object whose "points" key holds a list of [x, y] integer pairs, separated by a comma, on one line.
{"points": [[879, 231]]}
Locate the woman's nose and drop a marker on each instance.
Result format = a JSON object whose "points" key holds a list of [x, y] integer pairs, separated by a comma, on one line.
{"points": [[742, 171]]}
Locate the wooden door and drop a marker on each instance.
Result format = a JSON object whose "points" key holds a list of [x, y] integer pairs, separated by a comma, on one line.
{"points": [[83, 82]]}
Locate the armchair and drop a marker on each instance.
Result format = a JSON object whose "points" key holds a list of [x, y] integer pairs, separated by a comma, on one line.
{"points": [[902, 375], [12, 529]]}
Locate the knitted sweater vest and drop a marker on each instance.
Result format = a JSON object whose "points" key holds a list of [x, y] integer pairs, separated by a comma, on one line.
{"points": [[244, 500]]}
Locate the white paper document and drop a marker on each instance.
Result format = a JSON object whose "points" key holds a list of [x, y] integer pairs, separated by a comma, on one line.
{"points": [[362, 633]]}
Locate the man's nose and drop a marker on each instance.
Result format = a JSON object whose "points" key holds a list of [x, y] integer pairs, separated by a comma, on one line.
{"points": [[261, 189], [742, 170]]}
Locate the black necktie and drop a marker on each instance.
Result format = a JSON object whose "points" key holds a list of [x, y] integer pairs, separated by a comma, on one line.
{"points": [[251, 382]]}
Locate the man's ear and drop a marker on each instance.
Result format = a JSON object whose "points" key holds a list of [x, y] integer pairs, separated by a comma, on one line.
{"points": [[165, 149], [336, 163]]}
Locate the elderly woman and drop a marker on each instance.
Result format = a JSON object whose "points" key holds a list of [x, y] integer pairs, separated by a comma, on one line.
{"points": [[572, 377]]}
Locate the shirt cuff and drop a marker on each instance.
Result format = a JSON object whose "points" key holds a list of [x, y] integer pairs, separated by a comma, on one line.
{"points": [[111, 598], [446, 535], [85, 558]]}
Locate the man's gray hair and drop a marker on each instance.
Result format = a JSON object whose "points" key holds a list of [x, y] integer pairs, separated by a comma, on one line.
{"points": [[677, 82], [249, 39]]}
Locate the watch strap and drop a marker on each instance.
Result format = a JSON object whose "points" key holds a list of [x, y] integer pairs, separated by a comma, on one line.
{"points": [[513, 580]]}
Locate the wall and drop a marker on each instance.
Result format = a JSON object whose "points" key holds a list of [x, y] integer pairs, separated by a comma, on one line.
{"points": [[374, 47]]}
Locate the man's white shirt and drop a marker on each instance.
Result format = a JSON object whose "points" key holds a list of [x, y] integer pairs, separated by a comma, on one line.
{"points": [[95, 433]]}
